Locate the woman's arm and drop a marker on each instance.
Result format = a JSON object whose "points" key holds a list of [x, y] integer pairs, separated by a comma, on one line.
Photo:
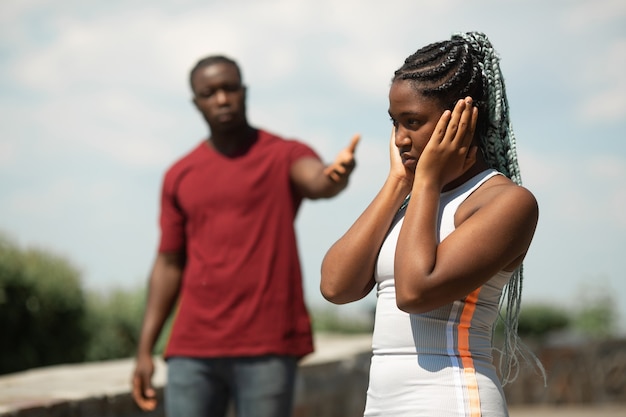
{"points": [[494, 236], [348, 267]]}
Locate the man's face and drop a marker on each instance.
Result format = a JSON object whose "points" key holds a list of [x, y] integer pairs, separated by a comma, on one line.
{"points": [[220, 96]]}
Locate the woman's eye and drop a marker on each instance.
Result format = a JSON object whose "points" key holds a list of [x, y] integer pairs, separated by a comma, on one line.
{"points": [[412, 122], [394, 122]]}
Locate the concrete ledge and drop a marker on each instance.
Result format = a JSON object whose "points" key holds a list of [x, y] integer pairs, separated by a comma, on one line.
{"points": [[339, 367], [586, 379]]}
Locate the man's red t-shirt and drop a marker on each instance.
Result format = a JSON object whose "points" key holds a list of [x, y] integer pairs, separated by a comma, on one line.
{"points": [[234, 217]]}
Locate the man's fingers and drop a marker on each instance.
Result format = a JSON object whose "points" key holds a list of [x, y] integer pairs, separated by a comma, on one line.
{"points": [[329, 171], [145, 398], [335, 172], [353, 142], [344, 162]]}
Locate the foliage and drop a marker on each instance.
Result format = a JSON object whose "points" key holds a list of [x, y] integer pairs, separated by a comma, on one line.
{"points": [[330, 321], [537, 320], [114, 320], [42, 309], [46, 317], [594, 317], [598, 316]]}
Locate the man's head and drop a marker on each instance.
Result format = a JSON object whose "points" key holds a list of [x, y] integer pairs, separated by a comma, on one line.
{"points": [[210, 60], [218, 93]]}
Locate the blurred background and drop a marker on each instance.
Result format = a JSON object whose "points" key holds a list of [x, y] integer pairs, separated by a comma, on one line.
{"points": [[95, 106]]}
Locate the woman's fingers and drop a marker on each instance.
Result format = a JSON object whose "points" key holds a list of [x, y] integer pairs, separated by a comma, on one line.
{"points": [[463, 115], [442, 127], [458, 124], [467, 124]]}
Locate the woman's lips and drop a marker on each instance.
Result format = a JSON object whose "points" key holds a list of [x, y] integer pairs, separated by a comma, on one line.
{"points": [[408, 160]]}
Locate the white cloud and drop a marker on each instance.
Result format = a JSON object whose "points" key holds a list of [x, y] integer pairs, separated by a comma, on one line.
{"points": [[12, 11], [588, 15], [596, 56], [7, 152], [608, 168], [47, 201], [578, 191], [106, 85], [605, 84], [112, 122], [609, 173], [542, 172], [606, 106]]}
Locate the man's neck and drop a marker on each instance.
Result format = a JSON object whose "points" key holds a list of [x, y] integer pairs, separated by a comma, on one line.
{"points": [[233, 142]]}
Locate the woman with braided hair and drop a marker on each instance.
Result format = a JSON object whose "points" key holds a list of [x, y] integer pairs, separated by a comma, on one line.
{"points": [[443, 239]]}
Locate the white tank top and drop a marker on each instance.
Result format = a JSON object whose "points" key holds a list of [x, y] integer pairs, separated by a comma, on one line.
{"points": [[448, 348]]}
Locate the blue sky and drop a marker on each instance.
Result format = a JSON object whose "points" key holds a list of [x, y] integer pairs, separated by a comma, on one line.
{"points": [[95, 105]]}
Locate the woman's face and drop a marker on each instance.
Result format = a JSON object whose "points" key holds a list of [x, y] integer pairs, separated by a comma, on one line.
{"points": [[414, 116]]}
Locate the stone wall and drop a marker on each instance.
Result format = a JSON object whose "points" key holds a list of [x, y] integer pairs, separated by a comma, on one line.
{"points": [[331, 383], [334, 388], [584, 373]]}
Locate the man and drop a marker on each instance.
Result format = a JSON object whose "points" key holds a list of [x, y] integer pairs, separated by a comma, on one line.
{"points": [[228, 260]]}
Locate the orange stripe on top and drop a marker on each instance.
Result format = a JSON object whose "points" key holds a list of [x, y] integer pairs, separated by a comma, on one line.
{"points": [[469, 372]]}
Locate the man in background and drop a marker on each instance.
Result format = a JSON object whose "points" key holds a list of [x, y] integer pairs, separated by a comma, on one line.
{"points": [[228, 260]]}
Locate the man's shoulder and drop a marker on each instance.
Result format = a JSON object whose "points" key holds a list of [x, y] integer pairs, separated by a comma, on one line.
{"points": [[271, 139], [187, 160], [269, 136]]}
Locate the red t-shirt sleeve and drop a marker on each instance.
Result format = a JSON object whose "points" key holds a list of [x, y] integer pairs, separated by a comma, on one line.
{"points": [[300, 150], [172, 218]]}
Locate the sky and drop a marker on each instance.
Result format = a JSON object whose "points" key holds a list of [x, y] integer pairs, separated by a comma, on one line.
{"points": [[95, 106]]}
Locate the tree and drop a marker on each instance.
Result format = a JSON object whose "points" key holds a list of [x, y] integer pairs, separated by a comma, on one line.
{"points": [[42, 309]]}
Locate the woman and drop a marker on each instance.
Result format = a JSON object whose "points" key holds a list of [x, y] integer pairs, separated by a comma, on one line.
{"points": [[443, 238]]}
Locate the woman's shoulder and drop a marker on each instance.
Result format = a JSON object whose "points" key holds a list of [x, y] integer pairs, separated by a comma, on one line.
{"points": [[501, 187], [500, 195]]}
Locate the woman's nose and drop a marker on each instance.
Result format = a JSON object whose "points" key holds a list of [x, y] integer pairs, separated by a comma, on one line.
{"points": [[402, 138]]}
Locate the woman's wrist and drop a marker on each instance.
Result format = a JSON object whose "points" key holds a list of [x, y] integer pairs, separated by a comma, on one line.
{"points": [[398, 188], [423, 184]]}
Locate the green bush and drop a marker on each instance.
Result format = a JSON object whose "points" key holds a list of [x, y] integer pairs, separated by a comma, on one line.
{"points": [[114, 323], [46, 318], [597, 317], [114, 320], [329, 320], [538, 320], [42, 309]]}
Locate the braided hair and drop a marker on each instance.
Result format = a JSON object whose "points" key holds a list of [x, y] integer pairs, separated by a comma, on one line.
{"points": [[468, 65]]}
